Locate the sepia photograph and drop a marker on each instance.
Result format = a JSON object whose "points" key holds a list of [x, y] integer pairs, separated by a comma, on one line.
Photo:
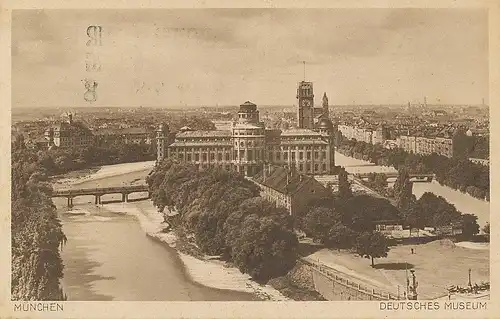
{"points": [[250, 154]]}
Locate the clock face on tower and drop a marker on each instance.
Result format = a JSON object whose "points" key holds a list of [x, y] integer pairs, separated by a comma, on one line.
{"points": [[306, 103]]}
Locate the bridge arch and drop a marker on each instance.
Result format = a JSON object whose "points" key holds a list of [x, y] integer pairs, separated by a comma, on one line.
{"points": [[99, 192]]}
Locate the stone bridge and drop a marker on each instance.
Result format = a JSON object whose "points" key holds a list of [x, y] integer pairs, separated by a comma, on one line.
{"points": [[98, 192], [413, 177]]}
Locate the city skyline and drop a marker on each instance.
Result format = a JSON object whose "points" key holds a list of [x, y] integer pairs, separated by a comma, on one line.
{"points": [[227, 56]]}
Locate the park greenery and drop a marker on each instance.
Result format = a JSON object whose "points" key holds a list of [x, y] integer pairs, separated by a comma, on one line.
{"points": [[37, 235], [429, 210], [227, 217], [457, 172], [62, 160], [372, 245]]}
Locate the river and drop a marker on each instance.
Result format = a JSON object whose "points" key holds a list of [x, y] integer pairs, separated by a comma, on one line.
{"points": [[463, 202], [109, 257]]}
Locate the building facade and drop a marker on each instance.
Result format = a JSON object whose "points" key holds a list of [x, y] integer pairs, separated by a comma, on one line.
{"points": [[74, 134], [69, 134], [248, 145], [288, 189], [134, 135], [411, 144], [357, 133], [426, 146]]}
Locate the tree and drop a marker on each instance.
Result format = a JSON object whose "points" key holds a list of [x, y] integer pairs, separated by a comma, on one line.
{"points": [[436, 211], [403, 188], [318, 223], [380, 181], [486, 228], [345, 191], [36, 231], [412, 216], [361, 212], [340, 236], [372, 245], [264, 249], [470, 226]]}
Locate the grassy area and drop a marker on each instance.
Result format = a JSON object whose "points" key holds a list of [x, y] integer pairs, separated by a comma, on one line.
{"points": [[437, 265]]}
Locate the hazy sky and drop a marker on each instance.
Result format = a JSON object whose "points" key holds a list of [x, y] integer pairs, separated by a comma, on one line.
{"points": [[227, 56]]}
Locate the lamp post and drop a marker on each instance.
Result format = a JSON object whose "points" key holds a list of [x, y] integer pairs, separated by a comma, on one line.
{"points": [[413, 288], [470, 283]]}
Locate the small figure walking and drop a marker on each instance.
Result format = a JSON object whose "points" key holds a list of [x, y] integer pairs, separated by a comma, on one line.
{"points": [[412, 252]]}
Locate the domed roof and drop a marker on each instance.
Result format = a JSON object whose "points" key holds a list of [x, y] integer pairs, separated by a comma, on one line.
{"points": [[248, 107], [325, 124], [162, 127]]}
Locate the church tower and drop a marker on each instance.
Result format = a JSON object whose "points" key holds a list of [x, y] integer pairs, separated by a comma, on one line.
{"points": [[161, 142], [326, 110], [305, 110]]}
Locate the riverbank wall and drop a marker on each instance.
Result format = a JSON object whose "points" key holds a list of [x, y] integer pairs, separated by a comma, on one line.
{"points": [[308, 281], [334, 286]]}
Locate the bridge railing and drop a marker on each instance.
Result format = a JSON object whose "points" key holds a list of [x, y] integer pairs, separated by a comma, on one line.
{"points": [[100, 190], [392, 175]]}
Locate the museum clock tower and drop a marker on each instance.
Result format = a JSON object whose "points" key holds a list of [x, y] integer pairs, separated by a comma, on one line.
{"points": [[305, 96]]}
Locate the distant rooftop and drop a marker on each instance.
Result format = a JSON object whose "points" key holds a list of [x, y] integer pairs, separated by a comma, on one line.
{"points": [[132, 130], [283, 180], [216, 133], [299, 131]]}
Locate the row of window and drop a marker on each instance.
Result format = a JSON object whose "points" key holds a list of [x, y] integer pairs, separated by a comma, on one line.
{"points": [[308, 156], [249, 115], [255, 133], [252, 132], [301, 168], [249, 143], [200, 140], [204, 157], [308, 147], [248, 155], [203, 149]]}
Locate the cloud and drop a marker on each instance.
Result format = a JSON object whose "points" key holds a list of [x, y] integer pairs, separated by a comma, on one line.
{"points": [[218, 55]]}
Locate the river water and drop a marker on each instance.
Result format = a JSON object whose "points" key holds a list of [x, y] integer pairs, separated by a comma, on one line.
{"points": [[463, 202], [109, 257]]}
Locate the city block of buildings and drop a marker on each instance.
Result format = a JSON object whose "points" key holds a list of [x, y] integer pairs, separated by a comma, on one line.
{"points": [[71, 134]]}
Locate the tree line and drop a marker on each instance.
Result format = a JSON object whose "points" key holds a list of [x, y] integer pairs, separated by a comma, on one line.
{"points": [[429, 210], [457, 172], [227, 217], [37, 235], [62, 160], [344, 220], [348, 221]]}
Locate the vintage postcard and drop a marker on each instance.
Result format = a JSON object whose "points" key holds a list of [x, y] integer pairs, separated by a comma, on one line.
{"points": [[295, 160]]}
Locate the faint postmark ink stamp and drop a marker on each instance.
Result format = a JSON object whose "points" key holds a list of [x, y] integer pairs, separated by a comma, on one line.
{"points": [[90, 94], [94, 33], [92, 61]]}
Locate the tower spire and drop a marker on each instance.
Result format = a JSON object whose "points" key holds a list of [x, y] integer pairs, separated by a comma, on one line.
{"points": [[304, 63]]}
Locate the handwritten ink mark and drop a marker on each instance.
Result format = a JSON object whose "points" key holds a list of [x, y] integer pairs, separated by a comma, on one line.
{"points": [[94, 32], [90, 94]]}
